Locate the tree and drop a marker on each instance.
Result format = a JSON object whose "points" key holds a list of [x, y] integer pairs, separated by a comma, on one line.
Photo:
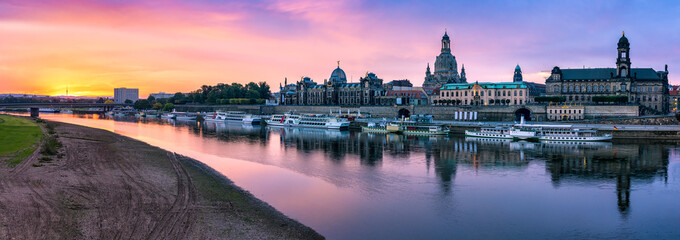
{"points": [[142, 104], [265, 92], [168, 107], [128, 101], [151, 98], [101, 100], [252, 94], [542, 99], [157, 106], [109, 101]]}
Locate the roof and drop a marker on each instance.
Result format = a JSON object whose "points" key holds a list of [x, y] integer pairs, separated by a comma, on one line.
{"points": [[346, 85], [458, 86], [416, 93], [674, 92], [606, 73]]}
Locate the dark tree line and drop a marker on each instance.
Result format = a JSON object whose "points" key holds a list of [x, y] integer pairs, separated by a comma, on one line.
{"points": [[234, 93]]}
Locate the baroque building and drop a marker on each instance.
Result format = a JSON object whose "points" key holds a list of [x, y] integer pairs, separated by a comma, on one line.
{"points": [[643, 86], [445, 68], [335, 91], [485, 94]]}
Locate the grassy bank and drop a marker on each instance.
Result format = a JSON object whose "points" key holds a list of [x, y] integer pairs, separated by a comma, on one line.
{"points": [[19, 137]]}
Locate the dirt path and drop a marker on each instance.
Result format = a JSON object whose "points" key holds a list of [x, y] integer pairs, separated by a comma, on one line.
{"points": [[112, 187]]}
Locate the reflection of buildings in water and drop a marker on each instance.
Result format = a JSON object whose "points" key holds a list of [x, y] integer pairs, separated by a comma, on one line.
{"points": [[625, 163], [229, 132]]}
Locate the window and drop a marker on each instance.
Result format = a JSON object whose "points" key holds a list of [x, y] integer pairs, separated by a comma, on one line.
{"points": [[607, 88], [590, 88], [556, 89], [466, 94], [520, 93], [503, 93], [465, 101], [564, 89], [515, 92], [482, 94], [623, 54], [515, 101]]}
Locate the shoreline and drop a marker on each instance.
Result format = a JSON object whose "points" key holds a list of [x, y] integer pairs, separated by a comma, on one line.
{"points": [[110, 186]]}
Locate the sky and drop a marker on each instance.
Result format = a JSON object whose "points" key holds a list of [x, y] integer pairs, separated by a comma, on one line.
{"points": [[91, 47]]}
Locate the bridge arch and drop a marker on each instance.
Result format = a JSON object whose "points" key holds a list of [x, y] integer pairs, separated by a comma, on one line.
{"points": [[404, 112], [523, 112]]}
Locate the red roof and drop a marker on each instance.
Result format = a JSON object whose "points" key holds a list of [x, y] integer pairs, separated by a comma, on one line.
{"points": [[674, 92]]}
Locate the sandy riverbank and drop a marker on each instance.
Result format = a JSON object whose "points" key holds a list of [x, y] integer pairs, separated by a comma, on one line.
{"points": [[109, 186]]}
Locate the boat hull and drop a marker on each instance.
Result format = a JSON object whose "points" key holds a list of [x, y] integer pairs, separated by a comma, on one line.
{"points": [[469, 133], [576, 139]]}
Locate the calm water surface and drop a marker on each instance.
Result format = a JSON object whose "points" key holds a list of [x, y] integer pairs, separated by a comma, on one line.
{"points": [[349, 185]]}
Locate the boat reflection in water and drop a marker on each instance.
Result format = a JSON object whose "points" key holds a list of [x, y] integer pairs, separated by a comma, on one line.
{"points": [[387, 186]]}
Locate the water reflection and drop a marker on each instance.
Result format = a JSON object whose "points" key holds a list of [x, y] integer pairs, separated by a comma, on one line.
{"points": [[393, 186]]}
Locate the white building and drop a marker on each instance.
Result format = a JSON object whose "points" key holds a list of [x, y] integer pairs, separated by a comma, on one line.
{"points": [[122, 94], [162, 95]]}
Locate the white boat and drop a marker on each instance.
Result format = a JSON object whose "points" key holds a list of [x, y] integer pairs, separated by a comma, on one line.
{"points": [[66, 111], [382, 128], [180, 116], [498, 132], [48, 110], [168, 116], [308, 121], [233, 117], [425, 130], [566, 133]]}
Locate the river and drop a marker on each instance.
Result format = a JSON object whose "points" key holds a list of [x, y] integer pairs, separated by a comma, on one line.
{"points": [[352, 185]]}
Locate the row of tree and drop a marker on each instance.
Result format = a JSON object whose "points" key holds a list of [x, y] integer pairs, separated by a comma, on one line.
{"points": [[610, 99], [555, 99], [235, 93]]}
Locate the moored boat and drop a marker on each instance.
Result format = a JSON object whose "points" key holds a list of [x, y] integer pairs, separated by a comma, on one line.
{"points": [[308, 121]]}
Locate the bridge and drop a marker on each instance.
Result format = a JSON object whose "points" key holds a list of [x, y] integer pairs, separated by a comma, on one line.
{"points": [[36, 106]]}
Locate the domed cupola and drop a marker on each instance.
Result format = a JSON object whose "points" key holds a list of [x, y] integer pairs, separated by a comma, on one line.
{"points": [[556, 70], [623, 41], [338, 76]]}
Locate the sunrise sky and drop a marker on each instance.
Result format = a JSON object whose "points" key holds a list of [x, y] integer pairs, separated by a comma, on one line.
{"points": [[170, 46]]}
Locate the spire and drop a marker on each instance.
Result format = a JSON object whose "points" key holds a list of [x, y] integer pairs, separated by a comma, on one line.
{"points": [[338, 63], [427, 72]]}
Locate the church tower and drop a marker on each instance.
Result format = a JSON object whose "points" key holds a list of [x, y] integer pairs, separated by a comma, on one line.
{"points": [[462, 74], [623, 61], [446, 43], [427, 72], [518, 74]]}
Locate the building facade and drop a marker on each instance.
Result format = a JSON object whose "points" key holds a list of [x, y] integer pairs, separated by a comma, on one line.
{"points": [[122, 94], [643, 86], [565, 112], [484, 94], [335, 91], [673, 96], [445, 68]]}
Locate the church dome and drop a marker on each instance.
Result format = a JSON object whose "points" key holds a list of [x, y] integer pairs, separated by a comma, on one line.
{"points": [[338, 76], [623, 41]]}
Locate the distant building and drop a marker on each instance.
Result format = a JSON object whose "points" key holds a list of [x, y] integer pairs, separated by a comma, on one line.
{"points": [[673, 96], [565, 112], [445, 68], [334, 91], [517, 77], [399, 85], [515, 93], [161, 95], [409, 97], [644, 86], [122, 94]]}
